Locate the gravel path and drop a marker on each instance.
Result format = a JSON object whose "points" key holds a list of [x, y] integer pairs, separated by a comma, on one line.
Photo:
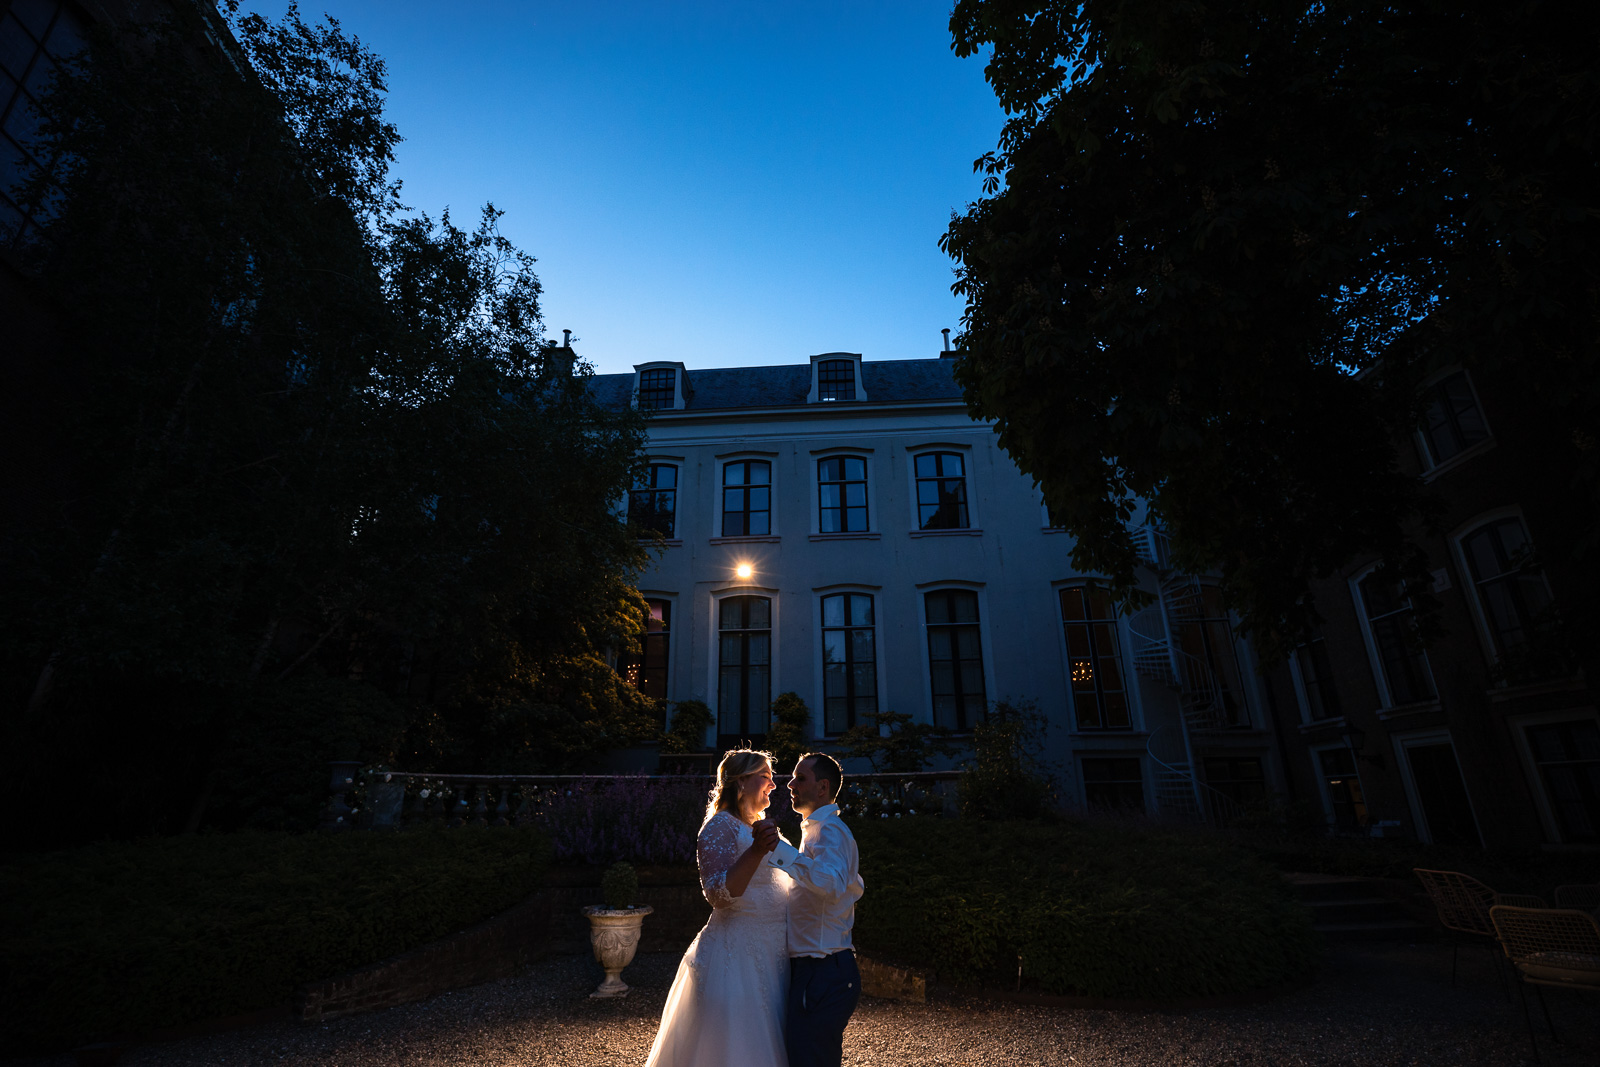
{"points": [[1371, 1005]]}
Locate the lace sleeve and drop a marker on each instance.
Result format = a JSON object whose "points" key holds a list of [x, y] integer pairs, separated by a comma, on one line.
{"points": [[716, 851]]}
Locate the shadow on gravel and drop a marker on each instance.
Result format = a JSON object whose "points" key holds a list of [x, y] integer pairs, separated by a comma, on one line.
{"points": [[1377, 1005]]}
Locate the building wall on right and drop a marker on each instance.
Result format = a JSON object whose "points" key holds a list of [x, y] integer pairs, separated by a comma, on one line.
{"points": [[1490, 735]]}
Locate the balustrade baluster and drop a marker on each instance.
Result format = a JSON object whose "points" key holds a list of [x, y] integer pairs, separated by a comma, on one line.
{"points": [[480, 810], [459, 809], [502, 808]]}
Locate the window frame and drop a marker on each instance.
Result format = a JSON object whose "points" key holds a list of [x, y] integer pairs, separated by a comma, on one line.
{"points": [[675, 463], [768, 460], [818, 458], [1423, 443], [714, 653], [1427, 738], [626, 661], [1136, 758], [968, 502], [27, 92], [1380, 677], [985, 661], [1530, 764], [680, 386], [1326, 792], [821, 596], [1487, 637], [1121, 654], [814, 393], [1324, 685]]}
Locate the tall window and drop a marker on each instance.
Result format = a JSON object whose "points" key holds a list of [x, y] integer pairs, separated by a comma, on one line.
{"points": [[842, 494], [647, 671], [747, 498], [1094, 659], [836, 379], [1451, 421], [941, 491], [657, 388], [653, 503], [1206, 636], [955, 657], [1513, 596], [1338, 767], [744, 667], [1316, 679], [1568, 756], [33, 37], [1113, 783], [849, 661], [1401, 667]]}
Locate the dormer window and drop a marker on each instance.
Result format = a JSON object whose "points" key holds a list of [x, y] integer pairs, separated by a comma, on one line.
{"points": [[660, 387], [656, 388], [835, 376], [836, 379]]}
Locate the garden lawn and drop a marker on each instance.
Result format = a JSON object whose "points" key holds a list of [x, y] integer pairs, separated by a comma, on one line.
{"points": [[1100, 909], [122, 938]]}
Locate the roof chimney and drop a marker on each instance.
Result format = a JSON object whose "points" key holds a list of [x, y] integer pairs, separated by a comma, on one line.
{"points": [[566, 339], [948, 353]]}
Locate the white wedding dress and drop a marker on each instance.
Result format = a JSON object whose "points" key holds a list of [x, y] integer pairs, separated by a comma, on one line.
{"points": [[727, 1003]]}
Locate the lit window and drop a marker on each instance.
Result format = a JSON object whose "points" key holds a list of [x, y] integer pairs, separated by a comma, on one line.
{"points": [[1114, 784], [849, 661], [1400, 665], [842, 494], [744, 667], [1514, 598], [1094, 659], [653, 503], [33, 38], [1451, 421], [747, 499], [836, 379], [647, 671], [657, 388], [955, 658], [1338, 767], [941, 491]]}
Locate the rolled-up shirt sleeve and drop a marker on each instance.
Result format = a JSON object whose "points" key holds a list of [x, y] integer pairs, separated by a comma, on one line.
{"points": [[716, 851]]}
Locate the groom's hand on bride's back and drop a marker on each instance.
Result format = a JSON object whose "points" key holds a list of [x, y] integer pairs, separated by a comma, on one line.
{"points": [[766, 835]]}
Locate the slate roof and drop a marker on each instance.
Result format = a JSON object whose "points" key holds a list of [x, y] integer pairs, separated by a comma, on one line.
{"points": [[886, 381]]}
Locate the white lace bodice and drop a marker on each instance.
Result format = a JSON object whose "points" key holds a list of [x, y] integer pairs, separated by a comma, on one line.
{"points": [[723, 839]]}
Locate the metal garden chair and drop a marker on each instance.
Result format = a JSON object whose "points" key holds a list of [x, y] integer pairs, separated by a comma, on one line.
{"points": [[1462, 903], [1549, 947], [1579, 897]]}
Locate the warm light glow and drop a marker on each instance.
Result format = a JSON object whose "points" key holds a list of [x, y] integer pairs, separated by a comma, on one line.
{"points": [[744, 570], [1082, 670]]}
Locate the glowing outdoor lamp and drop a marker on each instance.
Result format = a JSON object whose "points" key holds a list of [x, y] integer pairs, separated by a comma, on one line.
{"points": [[744, 570]]}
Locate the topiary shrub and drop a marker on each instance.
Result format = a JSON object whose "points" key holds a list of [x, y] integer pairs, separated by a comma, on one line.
{"points": [[1101, 910], [619, 886], [690, 721]]}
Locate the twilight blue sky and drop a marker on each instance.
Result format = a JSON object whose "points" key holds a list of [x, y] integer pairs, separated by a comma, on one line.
{"points": [[726, 184]]}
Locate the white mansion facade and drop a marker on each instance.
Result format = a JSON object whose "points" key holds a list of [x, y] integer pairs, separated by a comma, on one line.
{"points": [[843, 529]]}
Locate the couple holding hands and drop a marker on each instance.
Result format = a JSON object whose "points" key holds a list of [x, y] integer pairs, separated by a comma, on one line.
{"points": [[771, 980]]}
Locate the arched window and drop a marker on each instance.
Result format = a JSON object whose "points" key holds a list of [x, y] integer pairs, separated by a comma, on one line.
{"points": [[1094, 659], [653, 502], [842, 494], [747, 498], [836, 379], [942, 491], [955, 658]]}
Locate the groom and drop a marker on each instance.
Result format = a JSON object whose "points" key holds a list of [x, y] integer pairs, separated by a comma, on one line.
{"points": [[824, 983]]}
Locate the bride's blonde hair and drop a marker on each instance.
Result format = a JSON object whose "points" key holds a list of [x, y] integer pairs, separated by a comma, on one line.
{"points": [[736, 763]]}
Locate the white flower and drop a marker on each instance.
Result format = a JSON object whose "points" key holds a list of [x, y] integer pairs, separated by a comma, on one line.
{"points": [[423, 793], [388, 777]]}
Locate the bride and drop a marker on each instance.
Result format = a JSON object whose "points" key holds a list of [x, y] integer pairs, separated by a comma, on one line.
{"points": [[727, 1003]]}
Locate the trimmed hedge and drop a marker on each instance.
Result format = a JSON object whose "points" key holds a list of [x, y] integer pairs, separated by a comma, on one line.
{"points": [[1530, 870], [1093, 909], [123, 938]]}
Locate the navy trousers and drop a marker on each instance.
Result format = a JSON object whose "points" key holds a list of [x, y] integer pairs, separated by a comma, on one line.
{"points": [[822, 994]]}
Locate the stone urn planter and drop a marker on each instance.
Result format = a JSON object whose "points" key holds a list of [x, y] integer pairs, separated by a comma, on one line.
{"points": [[614, 933]]}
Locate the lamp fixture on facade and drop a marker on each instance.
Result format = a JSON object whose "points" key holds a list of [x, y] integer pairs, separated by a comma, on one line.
{"points": [[744, 570]]}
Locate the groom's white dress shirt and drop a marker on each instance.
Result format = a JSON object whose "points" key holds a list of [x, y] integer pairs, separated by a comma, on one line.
{"points": [[822, 906]]}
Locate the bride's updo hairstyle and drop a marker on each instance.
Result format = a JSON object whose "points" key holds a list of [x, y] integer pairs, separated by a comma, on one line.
{"points": [[736, 763]]}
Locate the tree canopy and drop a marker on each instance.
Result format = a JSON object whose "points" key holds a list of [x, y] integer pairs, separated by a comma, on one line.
{"points": [[1222, 244], [295, 430]]}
